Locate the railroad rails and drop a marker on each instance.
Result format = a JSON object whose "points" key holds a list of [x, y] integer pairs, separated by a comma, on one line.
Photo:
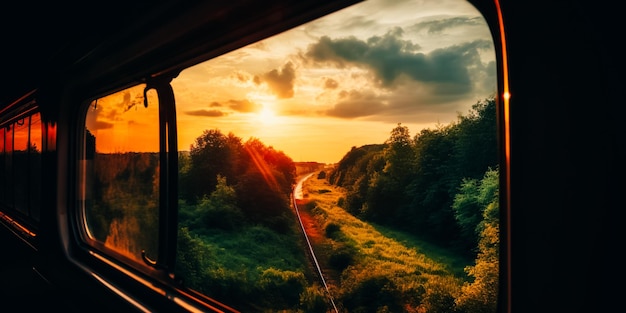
{"points": [[297, 195]]}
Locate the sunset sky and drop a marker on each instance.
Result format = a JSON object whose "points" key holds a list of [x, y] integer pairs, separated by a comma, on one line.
{"points": [[344, 80]]}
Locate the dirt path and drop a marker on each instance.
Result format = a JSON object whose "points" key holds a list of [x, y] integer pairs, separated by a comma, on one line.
{"points": [[311, 228]]}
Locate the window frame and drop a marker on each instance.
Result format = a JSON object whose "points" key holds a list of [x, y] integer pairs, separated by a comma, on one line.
{"points": [[23, 224], [163, 266], [162, 274]]}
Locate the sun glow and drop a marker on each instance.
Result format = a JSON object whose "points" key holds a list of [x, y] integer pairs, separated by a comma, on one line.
{"points": [[299, 93], [267, 116]]}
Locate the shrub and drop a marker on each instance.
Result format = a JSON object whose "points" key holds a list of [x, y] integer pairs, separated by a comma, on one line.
{"points": [[332, 230], [341, 202], [281, 288], [373, 294], [439, 298], [341, 258], [313, 300]]}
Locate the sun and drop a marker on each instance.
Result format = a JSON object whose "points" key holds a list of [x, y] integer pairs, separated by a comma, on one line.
{"points": [[267, 116]]}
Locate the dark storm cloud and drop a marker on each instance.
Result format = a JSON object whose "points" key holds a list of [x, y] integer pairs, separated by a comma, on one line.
{"points": [[207, 113], [438, 26], [280, 81], [356, 104], [389, 57]]}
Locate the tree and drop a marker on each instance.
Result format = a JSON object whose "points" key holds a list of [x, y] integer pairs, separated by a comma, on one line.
{"points": [[428, 192], [386, 188], [212, 154], [191, 258], [476, 141], [468, 212], [481, 294], [399, 154], [220, 209]]}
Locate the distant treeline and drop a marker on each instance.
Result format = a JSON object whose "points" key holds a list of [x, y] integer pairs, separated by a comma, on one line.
{"points": [[410, 183], [308, 167]]}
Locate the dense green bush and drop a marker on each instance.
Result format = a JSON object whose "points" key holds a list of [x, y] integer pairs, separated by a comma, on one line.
{"points": [[281, 289]]}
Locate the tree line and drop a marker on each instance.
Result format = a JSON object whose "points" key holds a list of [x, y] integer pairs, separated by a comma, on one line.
{"points": [[410, 183]]}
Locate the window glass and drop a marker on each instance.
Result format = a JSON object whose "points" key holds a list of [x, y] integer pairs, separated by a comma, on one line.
{"points": [[3, 172], [20, 164], [8, 165], [119, 174], [34, 157], [372, 131]]}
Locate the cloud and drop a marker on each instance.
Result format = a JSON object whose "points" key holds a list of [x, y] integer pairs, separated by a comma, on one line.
{"points": [[411, 102], [330, 83], [438, 26], [127, 104], [355, 103], [241, 106], [279, 81], [389, 58], [95, 119], [97, 125], [207, 113], [244, 106], [241, 77]]}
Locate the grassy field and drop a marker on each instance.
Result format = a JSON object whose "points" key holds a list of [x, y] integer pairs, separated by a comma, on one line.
{"points": [[359, 257], [368, 268]]}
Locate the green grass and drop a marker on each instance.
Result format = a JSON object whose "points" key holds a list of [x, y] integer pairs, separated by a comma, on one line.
{"points": [[416, 269], [251, 268], [373, 268], [254, 249]]}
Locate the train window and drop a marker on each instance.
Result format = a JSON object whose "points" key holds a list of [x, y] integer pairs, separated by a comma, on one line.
{"points": [[20, 165], [3, 172], [8, 165], [119, 175], [348, 164], [35, 163]]}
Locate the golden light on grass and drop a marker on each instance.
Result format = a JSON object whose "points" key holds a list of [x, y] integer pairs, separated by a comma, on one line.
{"points": [[382, 254]]}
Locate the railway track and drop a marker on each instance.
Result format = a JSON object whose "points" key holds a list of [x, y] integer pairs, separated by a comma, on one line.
{"points": [[297, 195]]}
